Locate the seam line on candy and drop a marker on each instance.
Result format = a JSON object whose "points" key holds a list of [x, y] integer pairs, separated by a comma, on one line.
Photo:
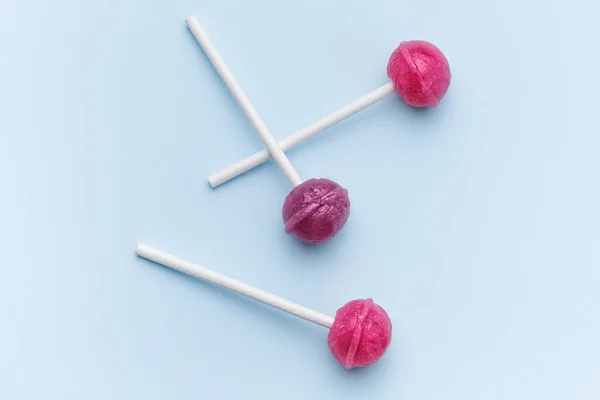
{"points": [[416, 69], [358, 332], [294, 220]]}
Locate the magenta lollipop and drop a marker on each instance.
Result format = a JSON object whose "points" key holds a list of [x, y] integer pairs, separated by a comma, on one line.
{"points": [[418, 72], [315, 210], [359, 334]]}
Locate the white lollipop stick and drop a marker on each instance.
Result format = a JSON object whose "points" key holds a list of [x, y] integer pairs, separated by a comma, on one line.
{"points": [[338, 116], [237, 92], [229, 283]]}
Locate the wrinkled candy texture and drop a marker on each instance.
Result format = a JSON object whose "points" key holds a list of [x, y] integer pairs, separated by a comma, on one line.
{"points": [[361, 333], [316, 210], [420, 73]]}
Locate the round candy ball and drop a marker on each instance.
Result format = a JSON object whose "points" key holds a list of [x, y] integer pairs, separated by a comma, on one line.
{"points": [[420, 73], [316, 210], [361, 333]]}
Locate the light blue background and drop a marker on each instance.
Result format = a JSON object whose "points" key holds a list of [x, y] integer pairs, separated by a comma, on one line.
{"points": [[475, 224]]}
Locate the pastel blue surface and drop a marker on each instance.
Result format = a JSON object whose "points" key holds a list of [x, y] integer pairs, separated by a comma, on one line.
{"points": [[475, 224]]}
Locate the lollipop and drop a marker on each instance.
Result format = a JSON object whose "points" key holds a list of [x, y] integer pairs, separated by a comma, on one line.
{"points": [[419, 72], [315, 210], [359, 334]]}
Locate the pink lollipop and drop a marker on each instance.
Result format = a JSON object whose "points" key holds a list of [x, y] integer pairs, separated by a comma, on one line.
{"points": [[419, 72], [359, 334], [315, 210]]}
